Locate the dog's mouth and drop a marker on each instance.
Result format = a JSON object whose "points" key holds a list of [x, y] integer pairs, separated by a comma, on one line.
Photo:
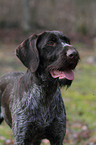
{"points": [[69, 74]]}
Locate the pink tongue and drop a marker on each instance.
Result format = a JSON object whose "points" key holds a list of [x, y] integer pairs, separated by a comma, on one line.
{"points": [[63, 74]]}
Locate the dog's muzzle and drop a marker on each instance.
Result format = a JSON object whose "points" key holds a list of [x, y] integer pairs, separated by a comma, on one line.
{"points": [[72, 58]]}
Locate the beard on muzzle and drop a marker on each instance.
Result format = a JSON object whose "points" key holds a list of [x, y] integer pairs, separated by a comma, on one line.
{"points": [[64, 82]]}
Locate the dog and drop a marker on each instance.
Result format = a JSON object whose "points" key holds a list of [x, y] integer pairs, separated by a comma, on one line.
{"points": [[31, 102]]}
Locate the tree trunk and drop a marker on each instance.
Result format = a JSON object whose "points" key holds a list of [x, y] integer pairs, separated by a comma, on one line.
{"points": [[25, 22]]}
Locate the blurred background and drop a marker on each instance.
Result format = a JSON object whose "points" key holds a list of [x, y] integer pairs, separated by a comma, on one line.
{"points": [[76, 19]]}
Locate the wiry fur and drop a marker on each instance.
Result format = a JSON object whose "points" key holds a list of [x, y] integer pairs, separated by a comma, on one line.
{"points": [[31, 102]]}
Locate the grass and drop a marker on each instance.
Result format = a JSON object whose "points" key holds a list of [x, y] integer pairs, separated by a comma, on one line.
{"points": [[80, 98]]}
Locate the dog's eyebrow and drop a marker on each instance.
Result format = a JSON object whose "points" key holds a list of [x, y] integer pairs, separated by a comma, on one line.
{"points": [[53, 37], [66, 39]]}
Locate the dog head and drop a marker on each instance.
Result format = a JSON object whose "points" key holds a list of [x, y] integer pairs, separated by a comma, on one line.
{"points": [[50, 51]]}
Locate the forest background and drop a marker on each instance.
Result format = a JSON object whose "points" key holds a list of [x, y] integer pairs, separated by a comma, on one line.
{"points": [[77, 20]]}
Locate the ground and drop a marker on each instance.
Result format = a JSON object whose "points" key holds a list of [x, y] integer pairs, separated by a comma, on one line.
{"points": [[80, 98]]}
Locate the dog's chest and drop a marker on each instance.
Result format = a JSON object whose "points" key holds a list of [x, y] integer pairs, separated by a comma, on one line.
{"points": [[37, 108]]}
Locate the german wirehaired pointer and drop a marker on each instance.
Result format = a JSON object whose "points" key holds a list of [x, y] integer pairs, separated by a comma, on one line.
{"points": [[31, 102]]}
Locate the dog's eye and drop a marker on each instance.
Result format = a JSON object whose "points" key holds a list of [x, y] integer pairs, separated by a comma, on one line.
{"points": [[51, 43]]}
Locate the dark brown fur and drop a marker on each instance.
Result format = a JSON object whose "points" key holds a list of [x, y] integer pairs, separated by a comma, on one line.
{"points": [[31, 102]]}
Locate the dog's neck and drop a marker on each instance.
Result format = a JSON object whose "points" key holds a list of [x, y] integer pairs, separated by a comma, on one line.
{"points": [[49, 85]]}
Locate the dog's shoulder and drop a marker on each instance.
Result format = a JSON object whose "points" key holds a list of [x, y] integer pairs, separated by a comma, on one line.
{"points": [[8, 78]]}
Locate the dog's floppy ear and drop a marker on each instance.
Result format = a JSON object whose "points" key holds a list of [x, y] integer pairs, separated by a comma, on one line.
{"points": [[28, 53]]}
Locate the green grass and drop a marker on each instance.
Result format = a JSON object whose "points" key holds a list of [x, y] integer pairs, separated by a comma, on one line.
{"points": [[81, 96], [4, 129], [79, 99], [5, 132]]}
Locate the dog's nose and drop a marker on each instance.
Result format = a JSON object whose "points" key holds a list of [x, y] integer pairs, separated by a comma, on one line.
{"points": [[71, 53]]}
